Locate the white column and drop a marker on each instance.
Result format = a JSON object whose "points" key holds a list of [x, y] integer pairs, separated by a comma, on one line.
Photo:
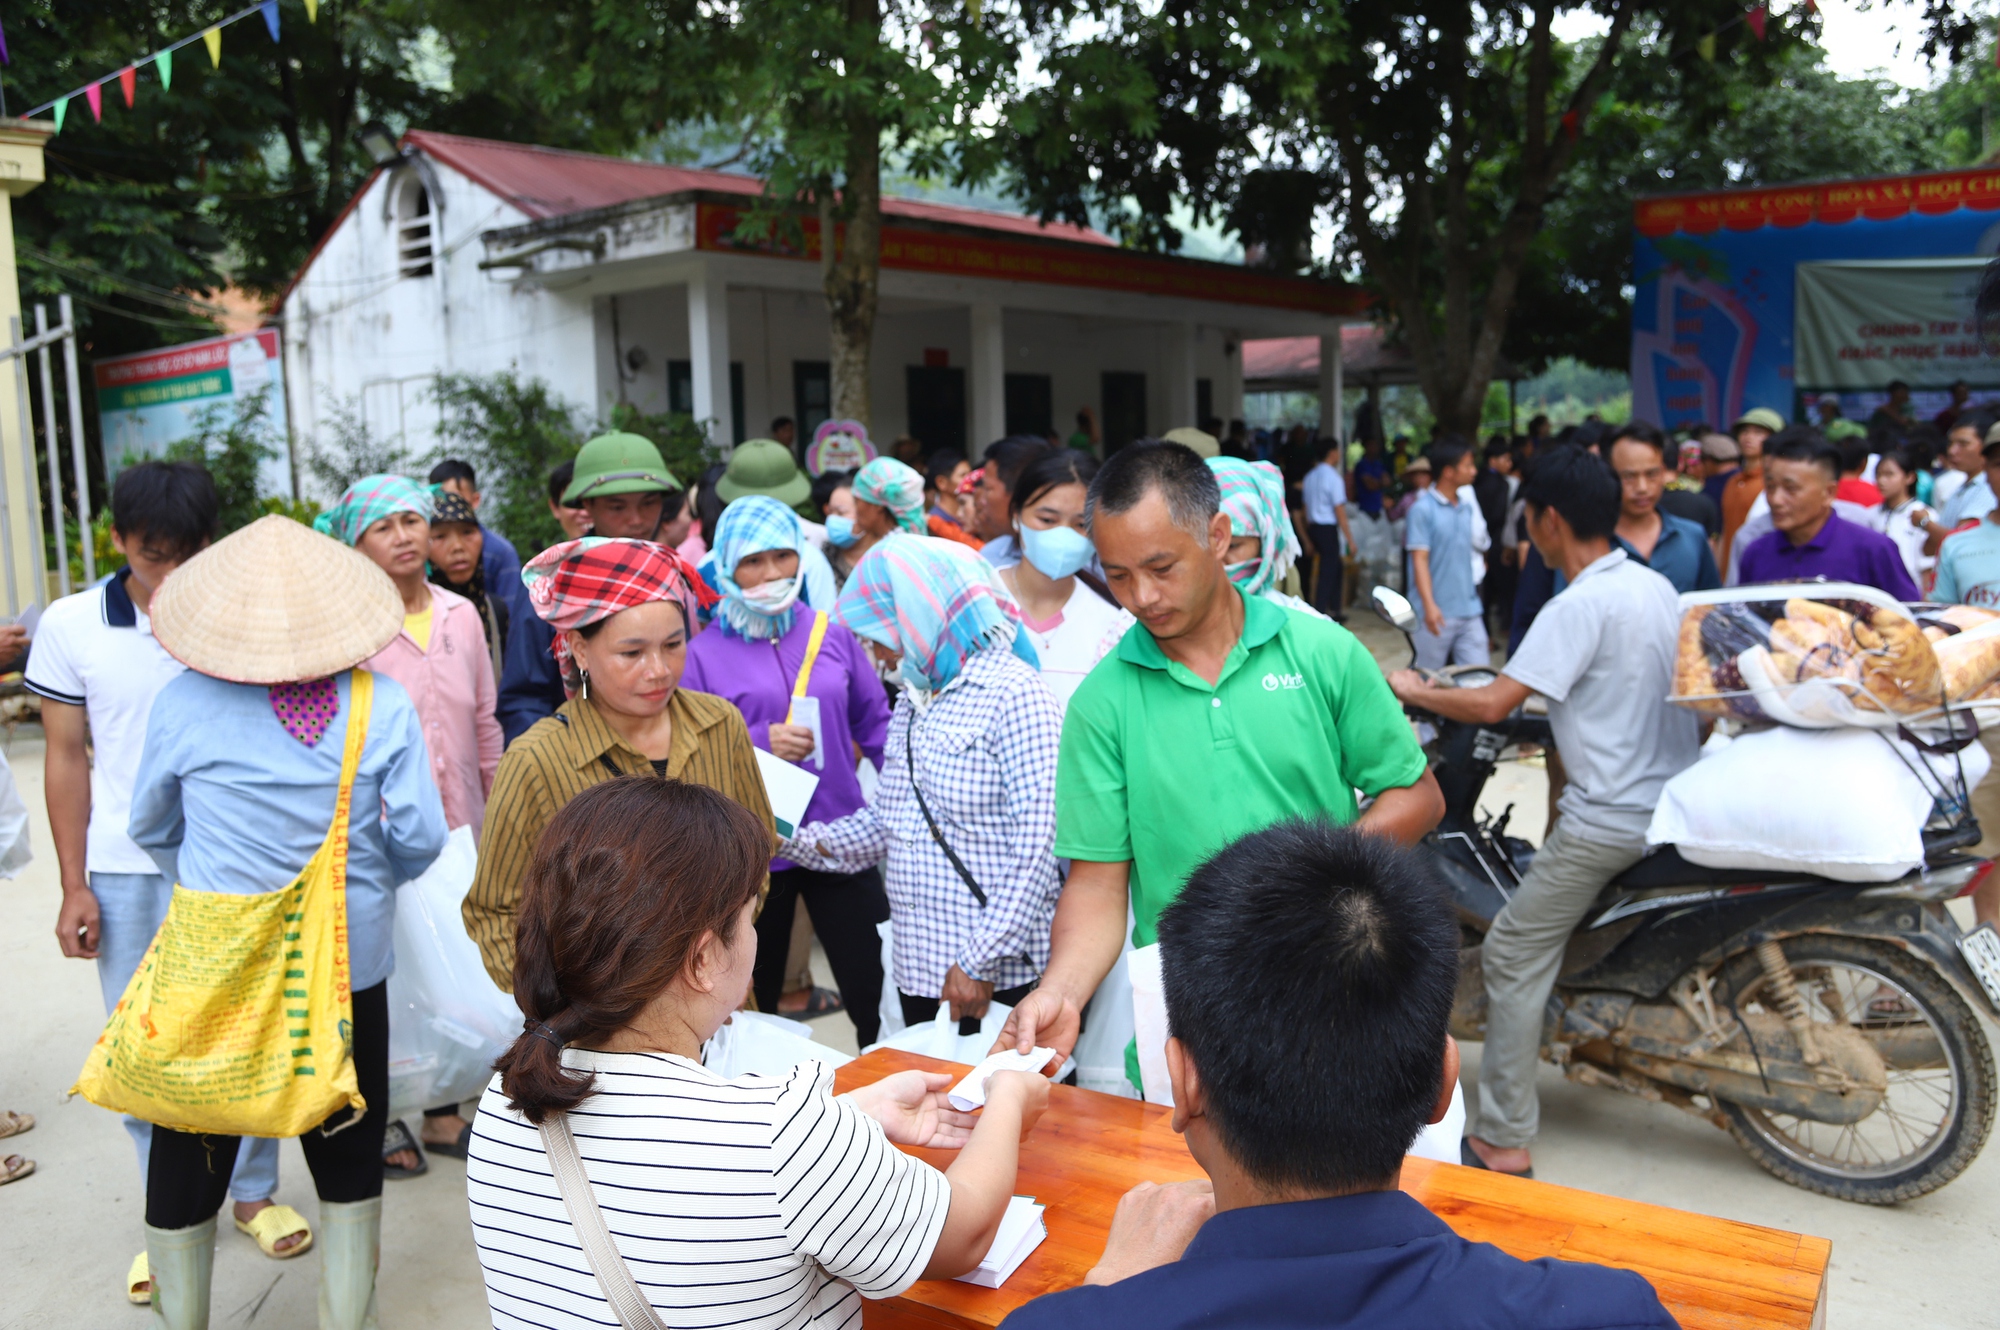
{"points": [[989, 378], [1179, 397], [1329, 384], [708, 352]]}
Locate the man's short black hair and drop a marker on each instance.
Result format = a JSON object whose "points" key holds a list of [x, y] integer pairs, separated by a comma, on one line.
{"points": [[1641, 431], [1981, 420], [826, 482], [1578, 484], [1309, 972], [559, 481], [1897, 385], [451, 469], [1498, 446], [1012, 456], [169, 507], [1854, 452], [1447, 451], [1175, 470], [779, 423], [1804, 443], [942, 462]]}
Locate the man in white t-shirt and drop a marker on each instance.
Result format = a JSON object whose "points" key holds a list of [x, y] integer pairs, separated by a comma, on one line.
{"points": [[95, 659], [1326, 524], [1602, 653]]}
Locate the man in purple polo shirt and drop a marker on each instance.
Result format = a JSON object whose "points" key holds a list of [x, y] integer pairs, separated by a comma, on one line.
{"points": [[1800, 471]]}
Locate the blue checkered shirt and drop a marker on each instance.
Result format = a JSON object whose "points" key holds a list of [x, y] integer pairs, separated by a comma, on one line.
{"points": [[986, 753]]}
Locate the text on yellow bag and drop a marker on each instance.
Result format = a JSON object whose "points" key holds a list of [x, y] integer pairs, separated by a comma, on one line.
{"points": [[240, 1019]]}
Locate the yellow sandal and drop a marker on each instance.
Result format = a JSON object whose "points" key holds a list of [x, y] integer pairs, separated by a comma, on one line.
{"points": [[274, 1223], [139, 1282]]}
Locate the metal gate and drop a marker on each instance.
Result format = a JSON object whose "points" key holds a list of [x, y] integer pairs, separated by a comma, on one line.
{"points": [[38, 346]]}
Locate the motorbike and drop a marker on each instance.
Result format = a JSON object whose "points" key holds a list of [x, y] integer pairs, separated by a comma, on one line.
{"points": [[1827, 1026]]}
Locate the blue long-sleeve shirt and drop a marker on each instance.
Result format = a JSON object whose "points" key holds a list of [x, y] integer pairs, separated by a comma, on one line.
{"points": [[226, 800]]}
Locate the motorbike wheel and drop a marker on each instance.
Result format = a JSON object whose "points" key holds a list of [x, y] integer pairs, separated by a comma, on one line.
{"points": [[1940, 1102]]}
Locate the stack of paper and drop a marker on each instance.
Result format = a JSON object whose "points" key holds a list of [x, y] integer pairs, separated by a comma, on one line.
{"points": [[1021, 1231]]}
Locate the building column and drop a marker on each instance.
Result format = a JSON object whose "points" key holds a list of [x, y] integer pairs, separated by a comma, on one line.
{"points": [[1180, 396], [708, 352], [21, 560], [1229, 392], [1330, 384], [988, 379]]}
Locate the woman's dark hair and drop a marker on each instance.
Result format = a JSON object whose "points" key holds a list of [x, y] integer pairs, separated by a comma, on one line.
{"points": [[671, 504], [450, 469], [171, 507], [559, 480], [826, 483], [1053, 467], [708, 505], [627, 879], [1901, 457]]}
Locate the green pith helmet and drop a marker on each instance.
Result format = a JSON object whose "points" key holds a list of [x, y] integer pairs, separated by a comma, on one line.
{"points": [[618, 464], [1845, 429], [763, 466], [1761, 415]]}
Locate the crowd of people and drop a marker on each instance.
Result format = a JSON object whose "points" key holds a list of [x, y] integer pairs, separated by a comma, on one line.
{"points": [[1057, 705]]}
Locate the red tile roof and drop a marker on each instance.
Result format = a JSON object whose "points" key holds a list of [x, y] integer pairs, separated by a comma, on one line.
{"points": [[553, 182]]}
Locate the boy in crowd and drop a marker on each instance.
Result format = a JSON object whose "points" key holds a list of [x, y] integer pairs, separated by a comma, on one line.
{"points": [[97, 667], [1302, 1125], [1438, 535]]}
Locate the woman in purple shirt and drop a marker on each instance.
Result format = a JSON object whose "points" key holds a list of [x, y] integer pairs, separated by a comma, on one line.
{"points": [[762, 639]]}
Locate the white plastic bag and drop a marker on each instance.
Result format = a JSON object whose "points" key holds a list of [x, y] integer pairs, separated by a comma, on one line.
{"points": [[1846, 804], [447, 1020], [15, 851], [939, 1038], [1107, 1029], [891, 1004], [753, 1041], [1438, 1140]]}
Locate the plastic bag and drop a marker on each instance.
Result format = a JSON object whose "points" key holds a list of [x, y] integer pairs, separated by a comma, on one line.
{"points": [[891, 1005], [1813, 655], [447, 1019], [939, 1038], [1849, 805], [753, 1041], [15, 852]]}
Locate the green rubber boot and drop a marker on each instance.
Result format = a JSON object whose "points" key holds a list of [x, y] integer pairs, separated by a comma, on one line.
{"points": [[350, 1247], [182, 1263]]}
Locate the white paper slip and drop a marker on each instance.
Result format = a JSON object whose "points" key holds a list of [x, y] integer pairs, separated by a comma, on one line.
{"points": [[805, 711], [1021, 1231], [789, 789], [970, 1093]]}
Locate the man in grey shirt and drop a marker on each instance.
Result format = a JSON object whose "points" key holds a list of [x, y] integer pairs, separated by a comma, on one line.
{"points": [[1602, 653]]}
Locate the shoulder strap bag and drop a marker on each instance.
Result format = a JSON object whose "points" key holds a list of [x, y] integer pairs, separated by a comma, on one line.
{"points": [[632, 1307], [923, 806]]}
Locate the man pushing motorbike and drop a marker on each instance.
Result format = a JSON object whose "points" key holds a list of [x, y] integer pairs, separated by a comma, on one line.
{"points": [[1602, 653]]}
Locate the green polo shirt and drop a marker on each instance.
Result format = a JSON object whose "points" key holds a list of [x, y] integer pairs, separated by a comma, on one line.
{"points": [[1161, 769]]}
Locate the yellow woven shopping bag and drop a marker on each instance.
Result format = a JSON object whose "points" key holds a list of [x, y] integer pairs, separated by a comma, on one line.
{"points": [[240, 1019]]}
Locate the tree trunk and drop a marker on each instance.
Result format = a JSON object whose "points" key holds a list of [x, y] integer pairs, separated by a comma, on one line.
{"points": [[851, 265]]}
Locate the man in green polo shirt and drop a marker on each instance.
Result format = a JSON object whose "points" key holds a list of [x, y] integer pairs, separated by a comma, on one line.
{"points": [[1216, 716]]}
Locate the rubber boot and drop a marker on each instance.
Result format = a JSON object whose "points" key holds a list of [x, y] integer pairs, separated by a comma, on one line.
{"points": [[182, 1262], [350, 1247]]}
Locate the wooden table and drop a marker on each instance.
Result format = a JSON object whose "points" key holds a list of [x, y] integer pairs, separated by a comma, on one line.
{"points": [[1090, 1149]]}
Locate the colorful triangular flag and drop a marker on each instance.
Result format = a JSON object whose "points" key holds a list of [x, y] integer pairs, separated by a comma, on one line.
{"points": [[270, 8], [1706, 48], [164, 61], [1756, 18], [312, 11], [212, 38], [128, 83], [62, 111], [95, 96]]}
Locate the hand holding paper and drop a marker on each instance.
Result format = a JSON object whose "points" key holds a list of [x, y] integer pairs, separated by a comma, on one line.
{"points": [[970, 1093]]}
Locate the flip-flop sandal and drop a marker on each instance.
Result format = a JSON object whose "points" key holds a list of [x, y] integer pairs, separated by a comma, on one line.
{"points": [[395, 1139], [139, 1282], [13, 1168], [273, 1224], [452, 1149], [13, 1124], [1470, 1158], [820, 1002]]}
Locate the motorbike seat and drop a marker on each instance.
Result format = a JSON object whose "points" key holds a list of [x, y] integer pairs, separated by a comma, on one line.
{"points": [[1664, 867]]}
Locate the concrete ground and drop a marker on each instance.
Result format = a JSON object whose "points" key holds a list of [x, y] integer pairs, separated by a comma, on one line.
{"points": [[71, 1229]]}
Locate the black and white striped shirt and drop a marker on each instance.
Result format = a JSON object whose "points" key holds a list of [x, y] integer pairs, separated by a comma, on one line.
{"points": [[757, 1203]]}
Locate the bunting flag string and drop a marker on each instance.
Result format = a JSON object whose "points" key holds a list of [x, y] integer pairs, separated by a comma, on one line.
{"points": [[162, 60]]}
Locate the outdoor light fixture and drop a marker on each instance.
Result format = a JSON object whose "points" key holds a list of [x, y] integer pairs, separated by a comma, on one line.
{"points": [[378, 142]]}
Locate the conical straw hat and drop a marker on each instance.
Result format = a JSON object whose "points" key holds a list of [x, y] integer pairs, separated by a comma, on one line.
{"points": [[276, 602]]}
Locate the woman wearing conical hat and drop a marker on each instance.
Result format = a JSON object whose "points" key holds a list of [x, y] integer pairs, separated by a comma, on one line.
{"points": [[235, 792]]}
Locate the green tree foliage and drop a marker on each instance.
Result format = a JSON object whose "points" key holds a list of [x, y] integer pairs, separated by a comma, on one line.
{"points": [[514, 432], [234, 443]]}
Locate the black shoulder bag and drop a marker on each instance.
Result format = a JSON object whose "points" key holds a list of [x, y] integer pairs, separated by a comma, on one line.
{"points": [[910, 757]]}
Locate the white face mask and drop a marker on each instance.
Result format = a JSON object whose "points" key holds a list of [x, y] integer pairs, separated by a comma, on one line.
{"points": [[773, 596]]}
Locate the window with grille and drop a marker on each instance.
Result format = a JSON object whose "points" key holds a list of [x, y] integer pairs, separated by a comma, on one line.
{"points": [[413, 230]]}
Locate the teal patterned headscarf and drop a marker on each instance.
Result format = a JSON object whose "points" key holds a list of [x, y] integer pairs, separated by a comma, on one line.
{"points": [[889, 484], [369, 500]]}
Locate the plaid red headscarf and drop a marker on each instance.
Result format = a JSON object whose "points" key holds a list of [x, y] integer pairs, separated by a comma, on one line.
{"points": [[578, 582]]}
